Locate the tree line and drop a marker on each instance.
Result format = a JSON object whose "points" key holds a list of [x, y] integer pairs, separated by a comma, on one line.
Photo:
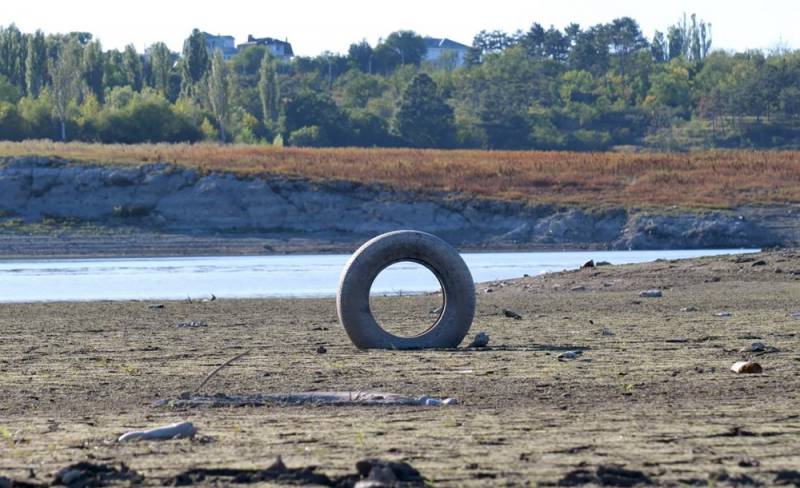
{"points": [[575, 88]]}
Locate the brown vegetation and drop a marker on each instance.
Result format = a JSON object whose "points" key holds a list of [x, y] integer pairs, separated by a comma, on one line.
{"points": [[721, 179]]}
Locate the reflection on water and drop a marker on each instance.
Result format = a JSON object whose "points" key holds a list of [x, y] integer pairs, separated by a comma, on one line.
{"points": [[265, 276]]}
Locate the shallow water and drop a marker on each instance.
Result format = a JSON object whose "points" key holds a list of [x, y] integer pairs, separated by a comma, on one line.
{"points": [[268, 276]]}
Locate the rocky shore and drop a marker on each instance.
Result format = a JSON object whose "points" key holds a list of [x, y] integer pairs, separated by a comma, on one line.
{"points": [[181, 207]]}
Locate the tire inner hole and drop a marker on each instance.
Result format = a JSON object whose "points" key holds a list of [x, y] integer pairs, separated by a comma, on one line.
{"points": [[406, 299]]}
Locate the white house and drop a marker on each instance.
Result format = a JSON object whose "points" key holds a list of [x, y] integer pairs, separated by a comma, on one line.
{"points": [[445, 52]]}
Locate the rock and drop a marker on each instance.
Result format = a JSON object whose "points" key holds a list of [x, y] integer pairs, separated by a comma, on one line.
{"points": [[387, 473], [488, 290], [321, 350], [588, 264], [689, 309], [723, 314], [713, 279], [655, 293], [787, 477], [578, 288], [155, 306], [746, 367], [481, 340], [760, 262], [749, 462], [512, 314], [754, 347], [569, 355], [607, 332]]}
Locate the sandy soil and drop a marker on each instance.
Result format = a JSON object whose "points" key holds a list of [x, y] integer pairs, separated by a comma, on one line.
{"points": [[657, 396]]}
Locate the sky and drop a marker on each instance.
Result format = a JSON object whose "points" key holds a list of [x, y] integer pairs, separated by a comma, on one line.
{"points": [[317, 26]]}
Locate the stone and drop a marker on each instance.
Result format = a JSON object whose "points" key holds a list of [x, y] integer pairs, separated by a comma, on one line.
{"points": [[481, 340], [655, 293], [689, 309], [512, 314], [569, 355], [578, 288], [588, 264], [321, 350], [723, 314], [746, 367]]}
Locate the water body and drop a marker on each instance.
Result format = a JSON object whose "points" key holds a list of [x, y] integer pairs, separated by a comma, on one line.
{"points": [[32, 280]]}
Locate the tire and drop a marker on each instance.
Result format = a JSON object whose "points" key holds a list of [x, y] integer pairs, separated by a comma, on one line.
{"points": [[352, 299]]}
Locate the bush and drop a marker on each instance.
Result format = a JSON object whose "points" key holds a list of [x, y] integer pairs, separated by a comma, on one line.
{"points": [[309, 136]]}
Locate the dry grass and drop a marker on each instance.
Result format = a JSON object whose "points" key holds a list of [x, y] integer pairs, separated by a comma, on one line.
{"points": [[704, 179]]}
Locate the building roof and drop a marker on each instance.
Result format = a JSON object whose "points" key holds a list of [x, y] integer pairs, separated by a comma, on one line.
{"points": [[445, 43], [212, 36], [268, 41]]}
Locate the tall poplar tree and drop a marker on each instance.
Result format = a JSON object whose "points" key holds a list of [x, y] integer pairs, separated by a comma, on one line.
{"points": [[218, 92], [269, 90]]}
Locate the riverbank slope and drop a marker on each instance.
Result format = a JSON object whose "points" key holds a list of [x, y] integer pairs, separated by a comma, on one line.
{"points": [[54, 207]]}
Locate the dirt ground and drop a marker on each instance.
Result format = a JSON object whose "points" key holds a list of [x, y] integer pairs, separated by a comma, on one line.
{"points": [[652, 390]]}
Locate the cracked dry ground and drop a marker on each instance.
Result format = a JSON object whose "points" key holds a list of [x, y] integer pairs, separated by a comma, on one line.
{"points": [[657, 396]]}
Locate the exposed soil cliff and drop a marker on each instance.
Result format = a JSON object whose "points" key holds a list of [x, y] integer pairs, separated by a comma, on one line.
{"points": [[163, 198]]}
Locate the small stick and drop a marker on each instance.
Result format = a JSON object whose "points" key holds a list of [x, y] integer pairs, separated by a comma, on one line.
{"points": [[219, 368]]}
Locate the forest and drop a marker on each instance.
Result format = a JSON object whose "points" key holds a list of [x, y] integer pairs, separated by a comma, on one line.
{"points": [[602, 87]]}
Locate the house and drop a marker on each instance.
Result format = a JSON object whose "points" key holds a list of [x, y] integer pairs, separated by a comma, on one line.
{"points": [[445, 53], [225, 44], [279, 49]]}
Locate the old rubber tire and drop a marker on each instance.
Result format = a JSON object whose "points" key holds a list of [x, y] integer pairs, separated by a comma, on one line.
{"points": [[352, 300]]}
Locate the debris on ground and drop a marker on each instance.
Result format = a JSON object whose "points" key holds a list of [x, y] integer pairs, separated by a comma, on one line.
{"points": [[178, 430], [606, 332], [723, 478], [746, 367], [481, 340], [794, 315], [512, 314], [787, 477], [602, 263], [689, 309], [760, 262], [155, 306], [12, 483], [605, 475], [488, 290], [336, 398], [759, 347], [321, 350], [655, 293], [569, 355], [578, 288], [277, 472], [378, 473], [210, 299], [89, 474], [190, 325], [723, 314]]}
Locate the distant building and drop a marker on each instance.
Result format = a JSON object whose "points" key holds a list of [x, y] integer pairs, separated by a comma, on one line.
{"points": [[279, 49], [445, 52], [226, 44]]}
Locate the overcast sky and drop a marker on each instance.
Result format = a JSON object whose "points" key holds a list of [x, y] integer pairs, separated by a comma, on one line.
{"points": [[316, 26]]}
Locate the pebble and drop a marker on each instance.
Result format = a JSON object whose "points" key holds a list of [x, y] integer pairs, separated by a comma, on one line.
{"points": [[481, 340], [512, 314], [650, 293], [746, 367]]}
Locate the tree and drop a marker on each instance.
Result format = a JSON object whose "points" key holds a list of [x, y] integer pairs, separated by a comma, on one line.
{"points": [[269, 91], [423, 118], [312, 108], [195, 62], [360, 56], [161, 60], [132, 66], [36, 64], [65, 76], [218, 92], [92, 66], [13, 51]]}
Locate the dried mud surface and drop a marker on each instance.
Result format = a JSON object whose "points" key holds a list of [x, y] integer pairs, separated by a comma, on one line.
{"points": [[656, 397]]}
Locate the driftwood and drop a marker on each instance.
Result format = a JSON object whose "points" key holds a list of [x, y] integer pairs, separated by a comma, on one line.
{"points": [[178, 430], [218, 369]]}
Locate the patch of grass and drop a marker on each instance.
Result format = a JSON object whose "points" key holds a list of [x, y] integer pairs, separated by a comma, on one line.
{"points": [[706, 179]]}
